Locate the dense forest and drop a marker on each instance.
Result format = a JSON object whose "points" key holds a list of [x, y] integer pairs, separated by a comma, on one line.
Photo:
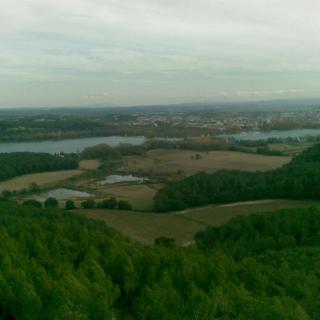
{"points": [[300, 179], [56, 265], [19, 163]]}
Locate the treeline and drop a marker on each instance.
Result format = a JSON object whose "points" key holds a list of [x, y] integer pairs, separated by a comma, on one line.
{"points": [[19, 163], [106, 152], [274, 231], [300, 179], [63, 266], [111, 203]]}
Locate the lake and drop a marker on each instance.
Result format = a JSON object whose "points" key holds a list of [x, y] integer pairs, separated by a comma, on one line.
{"points": [[67, 145], [281, 134], [77, 145]]}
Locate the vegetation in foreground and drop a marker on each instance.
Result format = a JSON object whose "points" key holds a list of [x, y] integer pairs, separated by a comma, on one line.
{"points": [[62, 266]]}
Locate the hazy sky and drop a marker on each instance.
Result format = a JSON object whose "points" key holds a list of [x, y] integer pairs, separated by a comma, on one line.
{"points": [[82, 52]]}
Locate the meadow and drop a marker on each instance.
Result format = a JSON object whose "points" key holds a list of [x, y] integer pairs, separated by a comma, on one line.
{"points": [[147, 226], [171, 161], [290, 149], [47, 179], [167, 163], [89, 164], [140, 196], [41, 179]]}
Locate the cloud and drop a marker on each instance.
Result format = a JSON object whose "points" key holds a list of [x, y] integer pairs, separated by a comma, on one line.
{"points": [[97, 96], [187, 46]]}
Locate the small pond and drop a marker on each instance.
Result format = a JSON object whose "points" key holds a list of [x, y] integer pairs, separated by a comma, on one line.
{"points": [[115, 178], [63, 193]]}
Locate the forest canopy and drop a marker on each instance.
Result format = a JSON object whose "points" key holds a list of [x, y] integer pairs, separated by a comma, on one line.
{"points": [[56, 265], [19, 163]]}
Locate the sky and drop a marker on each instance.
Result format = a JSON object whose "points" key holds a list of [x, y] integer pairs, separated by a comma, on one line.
{"points": [[139, 52]]}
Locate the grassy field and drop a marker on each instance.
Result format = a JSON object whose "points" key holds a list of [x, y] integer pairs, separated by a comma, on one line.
{"points": [[139, 195], [41, 179], [217, 215], [171, 161], [48, 178], [146, 226], [89, 164], [290, 149]]}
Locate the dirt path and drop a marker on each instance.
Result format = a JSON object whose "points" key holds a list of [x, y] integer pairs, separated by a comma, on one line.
{"points": [[244, 203]]}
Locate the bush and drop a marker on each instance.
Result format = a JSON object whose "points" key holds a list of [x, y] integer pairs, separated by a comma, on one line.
{"points": [[124, 205], [165, 242], [34, 187], [51, 203], [69, 205], [32, 203], [88, 204], [6, 194], [111, 203]]}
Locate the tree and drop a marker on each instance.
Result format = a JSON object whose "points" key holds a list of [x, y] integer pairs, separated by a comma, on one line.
{"points": [[88, 204], [34, 187], [51, 203], [69, 205], [111, 203], [6, 194], [124, 205], [101, 151], [165, 242], [19, 163], [32, 203], [197, 156]]}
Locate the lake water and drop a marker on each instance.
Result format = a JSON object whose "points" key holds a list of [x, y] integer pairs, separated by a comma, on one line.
{"points": [[281, 134], [67, 145], [77, 145]]}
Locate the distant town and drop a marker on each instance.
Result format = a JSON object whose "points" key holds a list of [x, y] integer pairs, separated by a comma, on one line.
{"points": [[158, 121]]}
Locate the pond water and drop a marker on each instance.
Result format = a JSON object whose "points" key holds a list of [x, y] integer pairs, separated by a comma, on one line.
{"points": [[280, 134], [115, 178], [63, 193]]}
